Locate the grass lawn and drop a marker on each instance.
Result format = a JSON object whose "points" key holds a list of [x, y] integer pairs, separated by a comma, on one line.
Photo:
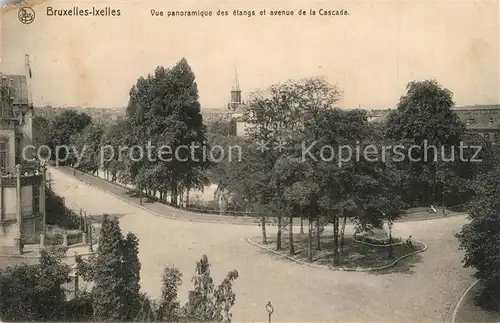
{"points": [[355, 255], [470, 311]]}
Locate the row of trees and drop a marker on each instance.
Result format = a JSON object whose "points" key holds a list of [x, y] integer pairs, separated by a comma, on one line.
{"points": [[284, 186], [295, 182], [365, 189], [37, 292], [163, 110]]}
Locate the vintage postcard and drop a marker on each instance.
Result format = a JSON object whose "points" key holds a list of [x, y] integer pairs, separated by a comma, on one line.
{"points": [[250, 161]]}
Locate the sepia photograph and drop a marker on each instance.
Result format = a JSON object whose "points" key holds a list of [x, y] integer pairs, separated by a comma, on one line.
{"points": [[250, 161]]}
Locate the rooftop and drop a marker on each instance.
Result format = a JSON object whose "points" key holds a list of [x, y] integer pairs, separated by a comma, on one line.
{"points": [[478, 107]]}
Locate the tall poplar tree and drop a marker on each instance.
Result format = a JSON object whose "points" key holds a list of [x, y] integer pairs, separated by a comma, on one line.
{"points": [[109, 302]]}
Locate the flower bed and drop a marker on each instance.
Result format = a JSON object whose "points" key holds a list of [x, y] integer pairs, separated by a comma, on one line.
{"points": [[383, 242]]}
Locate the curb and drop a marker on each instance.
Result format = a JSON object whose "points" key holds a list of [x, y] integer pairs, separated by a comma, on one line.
{"points": [[336, 268], [432, 218], [225, 221], [376, 245], [156, 213], [460, 301]]}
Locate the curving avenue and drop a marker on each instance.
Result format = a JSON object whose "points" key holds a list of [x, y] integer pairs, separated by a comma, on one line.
{"points": [[422, 288]]}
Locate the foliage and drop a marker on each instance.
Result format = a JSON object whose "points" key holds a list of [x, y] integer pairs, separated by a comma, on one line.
{"points": [[56, 211], [424, 119], [169, 309], [481, 237], [163, 110], [201, 303], [131, 267], [205, 302], [87, 148], [115, 274], [35, 292], [222, 127], [66, 124]]}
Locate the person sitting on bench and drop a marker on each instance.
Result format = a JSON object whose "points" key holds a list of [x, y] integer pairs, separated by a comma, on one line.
{"points": [[409, 243]]}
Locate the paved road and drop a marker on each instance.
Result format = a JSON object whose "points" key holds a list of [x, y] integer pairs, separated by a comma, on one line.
{"points": [[423, 288]]}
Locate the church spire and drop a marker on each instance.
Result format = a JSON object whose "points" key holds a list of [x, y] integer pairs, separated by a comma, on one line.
{"points": [[236, 84], [235, 93]]}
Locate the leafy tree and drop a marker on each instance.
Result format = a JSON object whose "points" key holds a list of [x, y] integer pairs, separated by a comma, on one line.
{"points": [[113, 139], [131, 274], [41, 130], [66, 124], [109, 300], [424, 118], [222, 127], [225, 298], [279, 115], [115, 273], [207, 303], [201, 301], [34, 292], [481, 237], [164, 110], [169, 309], [88, 147]]}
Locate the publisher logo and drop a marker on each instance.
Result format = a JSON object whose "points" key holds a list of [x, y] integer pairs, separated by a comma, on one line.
{"points": [[26, 15]]}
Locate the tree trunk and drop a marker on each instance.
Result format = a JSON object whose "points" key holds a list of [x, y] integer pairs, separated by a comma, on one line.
{"points": [[278, 234], [301, 224], [309, 239], [336, 257], [290, 237], [173, 198], [342, 233], [390, 245], [318, 235], [263, 226], [187, 197]]}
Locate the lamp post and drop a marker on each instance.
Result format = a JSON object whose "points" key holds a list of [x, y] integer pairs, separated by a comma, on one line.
{"points": [[270, 310]]}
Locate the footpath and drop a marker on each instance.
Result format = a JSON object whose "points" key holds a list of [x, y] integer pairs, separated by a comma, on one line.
{"points": [[155, 207]]}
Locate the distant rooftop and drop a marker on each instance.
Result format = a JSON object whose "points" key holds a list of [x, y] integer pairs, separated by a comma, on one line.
{"points": [[478, 107]]}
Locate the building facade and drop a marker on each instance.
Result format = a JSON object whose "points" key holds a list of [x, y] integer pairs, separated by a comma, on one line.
{"points": [[483, 119], [22, 179]]}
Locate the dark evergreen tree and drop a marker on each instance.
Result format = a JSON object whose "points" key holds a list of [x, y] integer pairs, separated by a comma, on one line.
{"points": [[108, 293], [131, 267]]}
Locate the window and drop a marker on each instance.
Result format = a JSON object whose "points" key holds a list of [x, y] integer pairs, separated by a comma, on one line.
{"points": [[36, 198], [491, 120], [4, 161]]}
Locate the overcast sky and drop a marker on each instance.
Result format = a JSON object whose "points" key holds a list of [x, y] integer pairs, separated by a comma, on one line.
{"points": [[371, 54]]}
